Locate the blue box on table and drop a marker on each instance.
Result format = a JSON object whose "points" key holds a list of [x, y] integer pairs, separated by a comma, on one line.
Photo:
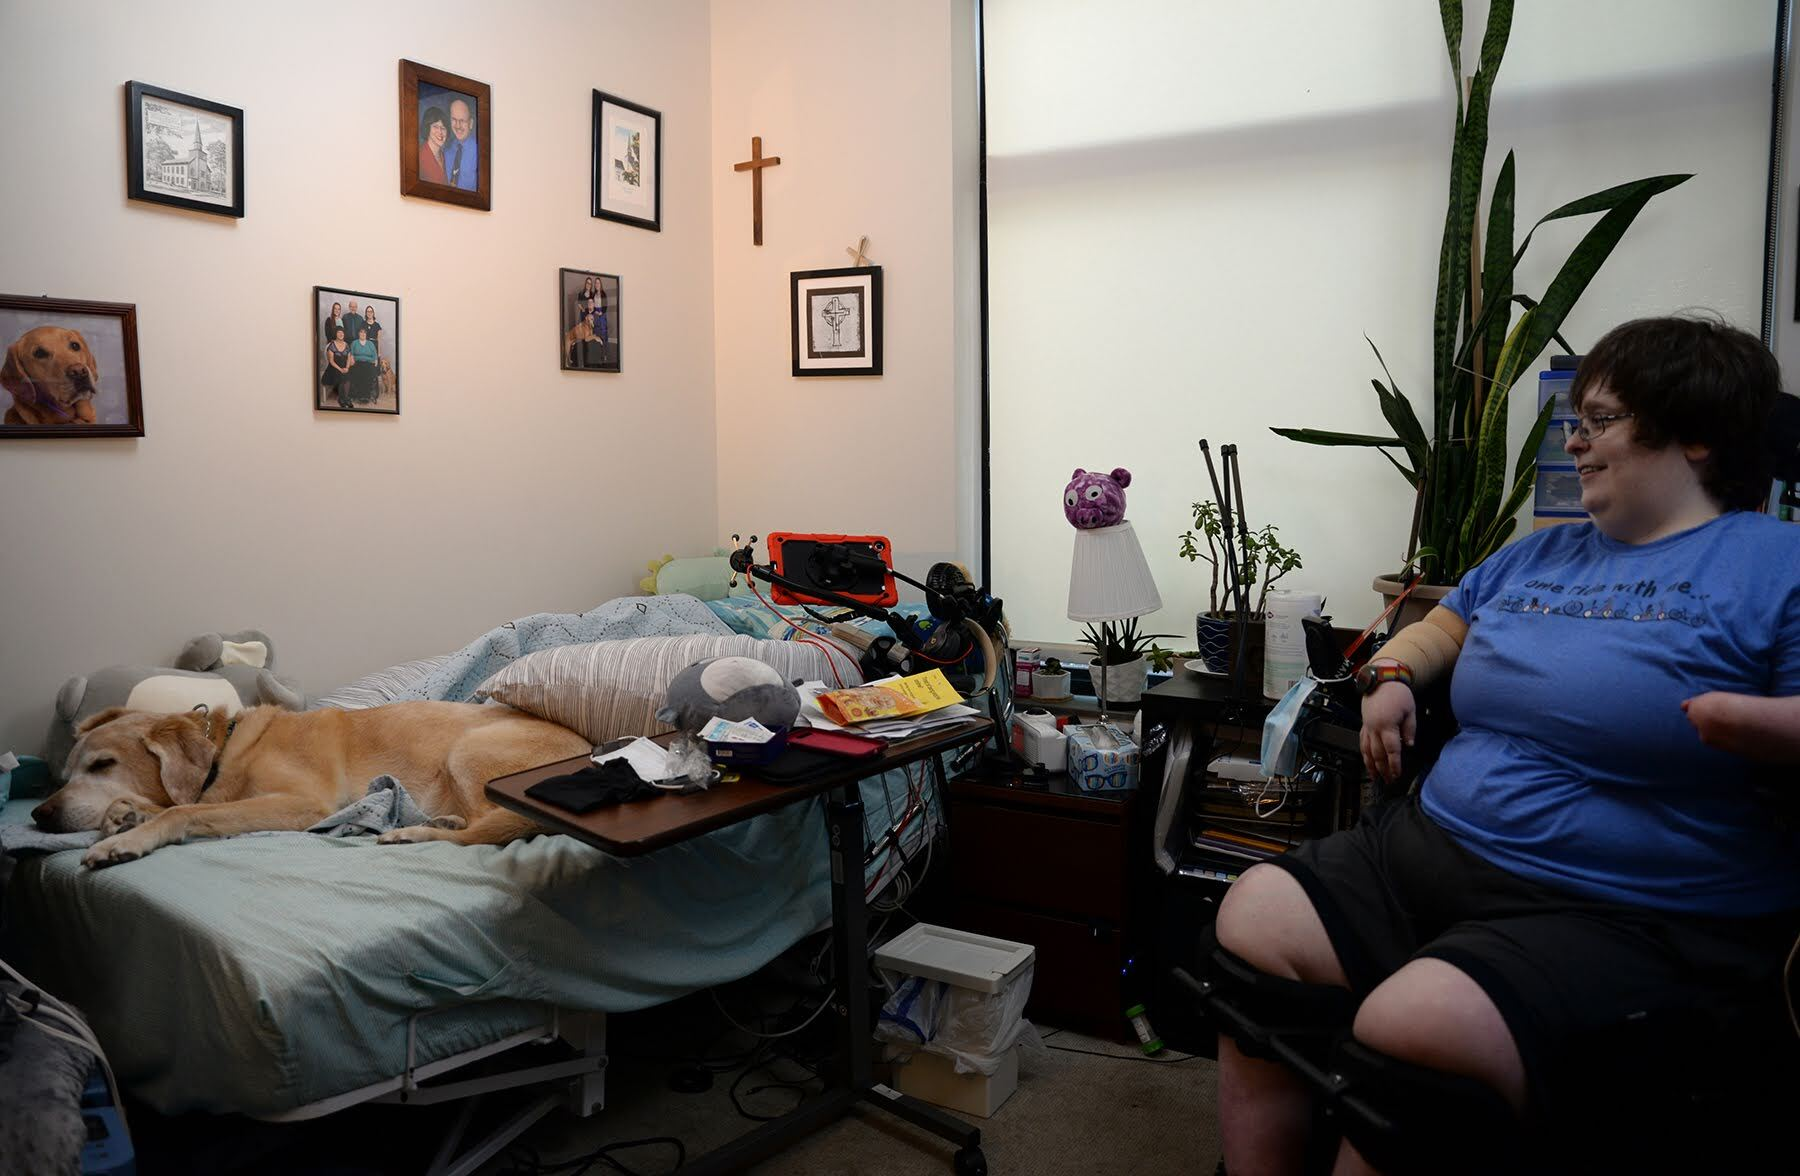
{"points": [[1101, 759]]}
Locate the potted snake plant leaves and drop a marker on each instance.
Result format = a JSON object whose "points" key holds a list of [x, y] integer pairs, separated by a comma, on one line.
{"points": [[1464, 507]]}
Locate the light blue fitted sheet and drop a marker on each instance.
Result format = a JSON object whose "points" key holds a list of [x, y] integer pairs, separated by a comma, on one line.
{"points": [[261, 974]]}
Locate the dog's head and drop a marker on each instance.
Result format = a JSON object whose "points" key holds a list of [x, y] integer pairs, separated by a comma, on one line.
{"points": [[164, 759], [51, 365]]}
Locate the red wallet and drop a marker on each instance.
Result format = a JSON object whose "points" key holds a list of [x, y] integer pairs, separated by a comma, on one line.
{"points": [[836, 742]]}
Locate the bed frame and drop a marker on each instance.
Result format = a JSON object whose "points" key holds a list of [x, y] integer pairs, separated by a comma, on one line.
{"points": [[578, 1083]]}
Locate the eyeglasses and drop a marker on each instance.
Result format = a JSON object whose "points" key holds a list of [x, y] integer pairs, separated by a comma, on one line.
{"points": [[1589, 428]]}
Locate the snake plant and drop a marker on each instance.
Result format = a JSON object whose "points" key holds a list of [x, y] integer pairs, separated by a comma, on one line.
{"points": [[1464, 506]]}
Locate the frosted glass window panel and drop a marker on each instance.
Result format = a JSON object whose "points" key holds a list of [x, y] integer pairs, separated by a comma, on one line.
{"points": [[1198, 209]]}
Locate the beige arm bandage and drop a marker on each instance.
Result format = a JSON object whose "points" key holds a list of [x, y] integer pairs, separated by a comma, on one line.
{"points": [[1429, 648]]}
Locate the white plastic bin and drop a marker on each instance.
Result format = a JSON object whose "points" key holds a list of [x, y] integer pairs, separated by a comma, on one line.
{"points": [[955, 1016]]}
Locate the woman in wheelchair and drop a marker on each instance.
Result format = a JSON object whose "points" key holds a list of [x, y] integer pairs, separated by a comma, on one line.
{"points": [[1595, 845]]}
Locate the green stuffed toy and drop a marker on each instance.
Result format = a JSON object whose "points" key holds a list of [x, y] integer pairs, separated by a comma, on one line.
{"points": [[221, 671]]}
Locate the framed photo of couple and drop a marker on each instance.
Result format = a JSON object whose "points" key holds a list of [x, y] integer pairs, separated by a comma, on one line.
{"points": [[627, 162], [446, 136], [356, 338]]}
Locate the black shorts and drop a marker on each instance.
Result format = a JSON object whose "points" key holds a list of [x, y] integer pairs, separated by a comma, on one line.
{"points": [[1563, 970]]}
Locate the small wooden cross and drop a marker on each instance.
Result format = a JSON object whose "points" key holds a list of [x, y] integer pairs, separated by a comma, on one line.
{"points": [[858, 253], [754, 166]]}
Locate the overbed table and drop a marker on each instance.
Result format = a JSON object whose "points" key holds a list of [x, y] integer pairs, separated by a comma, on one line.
{"points": [[644, 826]]}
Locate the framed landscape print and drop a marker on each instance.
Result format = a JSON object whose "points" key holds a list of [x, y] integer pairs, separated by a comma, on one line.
{"points": [[356, 342], [837, 322], [446, 136], [183, 151], [69, 369], [588, 323], [627, 162]]}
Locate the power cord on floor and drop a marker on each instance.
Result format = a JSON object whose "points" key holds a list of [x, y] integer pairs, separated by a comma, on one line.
{"points": [[531, 1165]]}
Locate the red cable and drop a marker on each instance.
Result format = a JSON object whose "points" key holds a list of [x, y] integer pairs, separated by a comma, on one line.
{"points": [[802, 635]]}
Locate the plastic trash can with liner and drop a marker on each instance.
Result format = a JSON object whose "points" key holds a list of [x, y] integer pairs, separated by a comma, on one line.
{"points": [[954, 1023]]}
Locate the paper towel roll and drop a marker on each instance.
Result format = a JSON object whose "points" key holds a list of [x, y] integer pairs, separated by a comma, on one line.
{"points": [[1284, 645]]}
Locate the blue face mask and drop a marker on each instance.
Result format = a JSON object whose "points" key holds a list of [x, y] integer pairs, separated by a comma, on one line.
{"points": [[1280, 740]]}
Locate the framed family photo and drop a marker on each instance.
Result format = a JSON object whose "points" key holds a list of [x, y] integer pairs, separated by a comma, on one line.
{"points": [[183, 151], [589, 322], [627, 162], [356, 337], [69, 369], [446, 136], [837, 322]]}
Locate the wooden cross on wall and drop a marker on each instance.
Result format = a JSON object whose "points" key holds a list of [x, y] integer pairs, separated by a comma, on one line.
{"points": [[754, 166]]}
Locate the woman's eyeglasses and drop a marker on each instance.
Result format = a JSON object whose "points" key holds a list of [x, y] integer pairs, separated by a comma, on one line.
{"points": [[1590, 427]]}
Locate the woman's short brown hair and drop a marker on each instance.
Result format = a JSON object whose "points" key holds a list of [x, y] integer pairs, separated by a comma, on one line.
{"points": [[1689, 380]]}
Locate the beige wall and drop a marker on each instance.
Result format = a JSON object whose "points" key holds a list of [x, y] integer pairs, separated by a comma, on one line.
{"points": [[870, 106], [506, 487]]}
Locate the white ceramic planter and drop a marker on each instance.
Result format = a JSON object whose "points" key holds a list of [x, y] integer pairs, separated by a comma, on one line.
{"points": [[1050, 687], [1124, 682]]}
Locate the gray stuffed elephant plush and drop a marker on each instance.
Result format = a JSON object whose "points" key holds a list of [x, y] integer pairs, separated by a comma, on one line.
{"points": [[222, 671]]}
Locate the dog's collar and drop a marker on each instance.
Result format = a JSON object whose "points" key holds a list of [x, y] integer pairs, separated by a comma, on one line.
{"points": [[212, 773], [48, 403]]}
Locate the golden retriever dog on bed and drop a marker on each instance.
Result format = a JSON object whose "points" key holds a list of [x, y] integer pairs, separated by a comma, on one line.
{"points": [[52, 375], [148, 780]]}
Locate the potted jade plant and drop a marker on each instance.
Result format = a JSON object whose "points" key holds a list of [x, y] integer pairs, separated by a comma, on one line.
{"points": [[1262, 559], [1123, 650], [1464, 506], [1050, 681]]}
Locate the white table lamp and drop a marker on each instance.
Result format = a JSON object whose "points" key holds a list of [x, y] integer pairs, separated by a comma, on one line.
{"points": [[1109, 580]]}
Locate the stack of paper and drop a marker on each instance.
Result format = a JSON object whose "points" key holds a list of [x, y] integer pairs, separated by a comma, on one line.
{"points": [[891, 729]]}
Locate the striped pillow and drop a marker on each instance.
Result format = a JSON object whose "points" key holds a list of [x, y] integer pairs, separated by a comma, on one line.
{"points": [[383, 686], [606, 689]]}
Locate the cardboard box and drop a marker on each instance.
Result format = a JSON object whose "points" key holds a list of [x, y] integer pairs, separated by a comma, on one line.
{"points": [[933, 1077]]}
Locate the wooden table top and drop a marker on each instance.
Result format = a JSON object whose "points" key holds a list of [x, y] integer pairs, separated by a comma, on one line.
{"points": [[640, 826]]}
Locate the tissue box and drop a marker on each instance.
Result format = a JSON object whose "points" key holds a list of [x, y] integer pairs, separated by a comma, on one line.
{"points": [[1101, 759]]}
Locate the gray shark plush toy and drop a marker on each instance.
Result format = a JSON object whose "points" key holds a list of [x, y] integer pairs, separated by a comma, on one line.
{"points": [[730, 688]]}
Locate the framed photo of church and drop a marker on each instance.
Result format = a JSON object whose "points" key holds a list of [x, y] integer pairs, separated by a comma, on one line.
{"points": [[837, 321], [183, 151], [446, 137]]}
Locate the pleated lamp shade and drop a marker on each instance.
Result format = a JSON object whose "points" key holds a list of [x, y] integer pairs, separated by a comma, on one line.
{"points": [[1109, 579]]}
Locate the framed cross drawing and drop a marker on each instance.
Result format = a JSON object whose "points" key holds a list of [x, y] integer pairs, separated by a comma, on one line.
{"points": [[68, 368], [627, 162], [183, 151], [446, 136], [837, 322]]}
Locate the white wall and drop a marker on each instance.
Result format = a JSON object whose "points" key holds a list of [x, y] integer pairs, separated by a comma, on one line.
{"points": [[1197, 211], [506, 487], [870, 106]]}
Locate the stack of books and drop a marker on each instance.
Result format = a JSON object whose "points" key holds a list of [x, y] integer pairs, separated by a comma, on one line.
{"points": [[1236, 827]]}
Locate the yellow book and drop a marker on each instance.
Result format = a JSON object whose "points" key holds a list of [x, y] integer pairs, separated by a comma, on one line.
{"points": [[917, 695]]}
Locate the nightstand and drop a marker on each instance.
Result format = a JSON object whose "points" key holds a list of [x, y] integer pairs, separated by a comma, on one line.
{"points": [[1049, 867]]}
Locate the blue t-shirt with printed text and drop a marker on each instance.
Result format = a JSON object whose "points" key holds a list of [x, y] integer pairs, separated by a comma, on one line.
{"points": [[1575, 764]]}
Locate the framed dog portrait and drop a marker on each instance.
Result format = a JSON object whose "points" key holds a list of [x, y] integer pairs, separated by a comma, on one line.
{"points": [[183, 151], [70, 369], [589, 321], [356, 337], [837, 322], [627, 162], [446, 136]]}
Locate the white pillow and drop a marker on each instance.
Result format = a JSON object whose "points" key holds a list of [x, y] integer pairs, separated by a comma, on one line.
{"points": [[606, 689]]}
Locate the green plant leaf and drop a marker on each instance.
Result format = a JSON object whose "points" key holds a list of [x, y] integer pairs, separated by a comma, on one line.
{"points": [[1603, 201], [1503, 523], [1534, 437], [1411, 476], [1327, 437], [1406, 426], [1497, 267]]}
